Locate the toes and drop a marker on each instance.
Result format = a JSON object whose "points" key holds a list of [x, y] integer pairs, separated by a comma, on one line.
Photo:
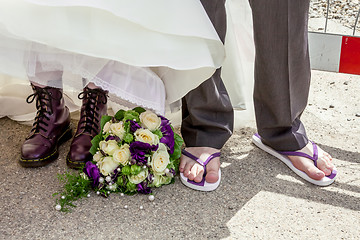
{"points": [[307, 166], [312, 171], [315, 173], [196, 173], [212, 174], [325, 165], [182, 164], [199, 175], [187, 169]]}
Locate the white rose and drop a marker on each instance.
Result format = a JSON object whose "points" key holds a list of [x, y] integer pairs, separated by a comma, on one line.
{"points": [[97, 157], [118, 129], [106, 127], [122, 155], [108, 166], [150, 120], [109, 147], [144, 135], [159, 179], [160, 159], [136, 179]]}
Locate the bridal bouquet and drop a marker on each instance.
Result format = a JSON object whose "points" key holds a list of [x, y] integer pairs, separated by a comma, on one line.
{"points": [[135, 151]]}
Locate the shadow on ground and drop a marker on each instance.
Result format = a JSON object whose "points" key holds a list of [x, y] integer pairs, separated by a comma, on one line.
{"points": [[27, 207]]}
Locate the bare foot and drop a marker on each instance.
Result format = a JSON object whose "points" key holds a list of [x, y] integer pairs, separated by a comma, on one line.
{"points": [[324, 163], [194, 171]]}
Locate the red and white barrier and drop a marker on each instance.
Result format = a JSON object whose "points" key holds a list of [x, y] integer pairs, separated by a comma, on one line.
{"points": [[335, 53]]}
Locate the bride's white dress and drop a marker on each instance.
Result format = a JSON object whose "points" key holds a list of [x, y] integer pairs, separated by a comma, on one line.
{"points": [[148, 53]]}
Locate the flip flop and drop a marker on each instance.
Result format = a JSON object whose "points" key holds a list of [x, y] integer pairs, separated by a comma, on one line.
{"points": [[327, 180], [203, 185]]}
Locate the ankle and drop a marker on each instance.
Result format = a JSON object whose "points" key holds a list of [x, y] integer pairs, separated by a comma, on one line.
{"points": [[92, 86]]}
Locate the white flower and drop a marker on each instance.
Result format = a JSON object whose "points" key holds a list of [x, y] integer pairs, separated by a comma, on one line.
{"points": [[97, 157], [107, 166], [122, 155], [150, 120], [109, 147], [136, 179], [106, 127], [118, 129], [160, 159], [159, 179], [144, 135], [84, 176]]}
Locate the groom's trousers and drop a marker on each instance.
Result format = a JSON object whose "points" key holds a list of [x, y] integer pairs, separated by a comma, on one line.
{"points": [[207, 112], [282, 71]]}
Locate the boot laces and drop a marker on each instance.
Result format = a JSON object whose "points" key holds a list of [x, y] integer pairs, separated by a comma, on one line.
{"points": [[43, 105], [90, 123]]}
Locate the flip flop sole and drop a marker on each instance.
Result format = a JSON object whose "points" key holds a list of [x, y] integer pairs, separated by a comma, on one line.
{"points": [[326, 181], [207, 187]]}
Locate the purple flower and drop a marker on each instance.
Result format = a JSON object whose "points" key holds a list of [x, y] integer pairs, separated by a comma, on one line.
{"points": [[143, 188], [168, 134], [116, 138], [150, 178], [92, 171], [134, 125], [138, 151]]}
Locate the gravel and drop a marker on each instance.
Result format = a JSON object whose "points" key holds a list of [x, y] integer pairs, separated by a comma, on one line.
{"points": [[342, 11]]}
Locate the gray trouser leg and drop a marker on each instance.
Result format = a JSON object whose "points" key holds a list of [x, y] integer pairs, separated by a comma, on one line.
{"points": [[207, 111], [282, 71]]}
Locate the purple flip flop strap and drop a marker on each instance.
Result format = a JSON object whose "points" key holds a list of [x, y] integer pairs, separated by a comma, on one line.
{"points": [[314, 157], [300, 154], [189, 155]]}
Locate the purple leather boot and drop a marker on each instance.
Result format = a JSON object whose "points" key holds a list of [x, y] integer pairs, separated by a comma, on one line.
{"points": [[50, 129], [93, 107]]}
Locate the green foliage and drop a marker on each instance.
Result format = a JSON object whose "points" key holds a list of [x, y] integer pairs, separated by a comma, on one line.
{"points": [[126, 170], [120, 115], [120, 181], [95, 143], [130, 186], [176, 164], [135, 169], [139, 110], [131, 115], [158, 133], [128, 138], [177, 147], [75, 187]]}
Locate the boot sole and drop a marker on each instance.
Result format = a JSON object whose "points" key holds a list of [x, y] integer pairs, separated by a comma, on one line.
{"points": [[73, 164], [40, 162]]}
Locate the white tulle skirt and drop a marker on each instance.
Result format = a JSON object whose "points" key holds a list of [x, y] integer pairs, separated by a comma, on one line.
{"points": [[147, 53]]}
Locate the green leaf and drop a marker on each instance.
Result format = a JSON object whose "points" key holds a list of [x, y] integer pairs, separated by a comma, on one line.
{"points": [[131, 115], [139, 110], [130, 186], [128, 137], [176, 154], [126, 170], [95, 143], [158, 133], [104, 119], [120, 115], [135, 169], [177, 146], [178, 140]]}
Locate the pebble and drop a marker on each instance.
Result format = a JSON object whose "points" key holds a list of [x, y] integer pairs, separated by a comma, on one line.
{"points": [[357, 115], [331, 106], [345, 11]]}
